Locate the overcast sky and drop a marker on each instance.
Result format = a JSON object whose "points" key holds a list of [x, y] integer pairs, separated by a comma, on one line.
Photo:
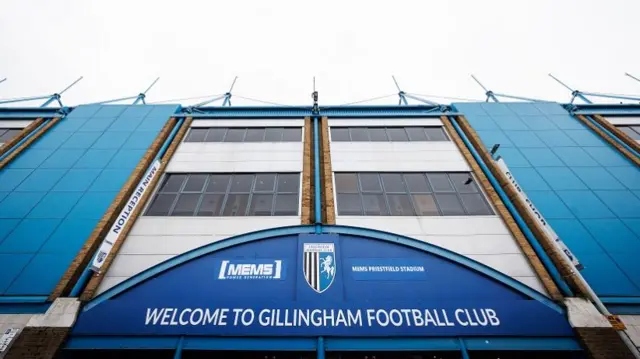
{"points": [[352, 47]]}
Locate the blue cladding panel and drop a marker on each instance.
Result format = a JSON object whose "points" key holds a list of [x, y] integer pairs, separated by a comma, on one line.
{"points": [[52, 195], [585, 188]]}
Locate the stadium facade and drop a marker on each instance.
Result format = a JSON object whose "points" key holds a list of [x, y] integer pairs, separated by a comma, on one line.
{"points": [[467, 230]]}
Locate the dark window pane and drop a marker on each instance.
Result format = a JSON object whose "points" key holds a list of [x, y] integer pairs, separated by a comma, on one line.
{"points": [[374, 205], [440, 182], [449, 204], [288, 183], [261, 205], [475, 204], [235, 135], [173, 183], [359, 134], [339, 134], [378, 134], [218, 183], [161, 205], [464, 182], [425, 205], [292, 134], [400, 205], [349, 204], [393, 182], [265, 182], [186, 204], [630, 132], [210, 205], [9, 134], [241, 183], [197, 135], [417, 182], [274, 134], [435, 134], [236, 205], [195, 183], [286, 205], [346, 183], [370, 182], [216, 134], [397, 134], [416, 133], [254, 135]]}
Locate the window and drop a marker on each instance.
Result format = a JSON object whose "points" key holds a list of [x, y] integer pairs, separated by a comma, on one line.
{"points": [[224, 194], [409, 194], [631, 131], [244, 134], [386, 134], [8, 133]]}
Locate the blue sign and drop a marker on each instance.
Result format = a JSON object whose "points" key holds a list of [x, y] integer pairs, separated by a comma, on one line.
{"points": [[331, 285]]}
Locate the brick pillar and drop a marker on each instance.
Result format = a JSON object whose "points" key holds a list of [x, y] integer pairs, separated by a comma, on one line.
{"points": [[44, 334], [598, 338]]}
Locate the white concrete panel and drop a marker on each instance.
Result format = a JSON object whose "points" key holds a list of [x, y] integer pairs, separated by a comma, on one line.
{"points": [[127, 265], [249, 123], [364, 122], [237, 157], [632, 323], [473, 244], [171, 245], [514, 265], [14, 123], [110, 282], [207, 226], [624, 120], [397, 156]]}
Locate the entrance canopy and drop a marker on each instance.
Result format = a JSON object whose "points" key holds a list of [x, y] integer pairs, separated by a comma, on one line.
{"points": [[349, 285]]}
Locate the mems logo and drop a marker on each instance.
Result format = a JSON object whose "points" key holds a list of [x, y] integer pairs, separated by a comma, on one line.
{"points": [[251, 270]]}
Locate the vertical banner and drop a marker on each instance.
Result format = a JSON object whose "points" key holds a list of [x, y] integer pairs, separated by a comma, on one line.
{"points": [[124, 216], [537, 215]]}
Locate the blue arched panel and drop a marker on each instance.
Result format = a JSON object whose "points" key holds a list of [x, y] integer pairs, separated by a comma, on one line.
{"points": [[278, 283]]}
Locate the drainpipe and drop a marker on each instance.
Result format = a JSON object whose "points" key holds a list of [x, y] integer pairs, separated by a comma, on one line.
{"points": [[36, 130], [316, 176], [86, 273], [320, 348], [546, 261], [612, 136]]}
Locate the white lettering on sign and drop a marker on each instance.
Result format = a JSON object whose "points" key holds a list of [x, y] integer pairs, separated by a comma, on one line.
{"points": [[116, 229], [7, 338], [240, 270], [244, 317], [537, 215], [387, 268]]}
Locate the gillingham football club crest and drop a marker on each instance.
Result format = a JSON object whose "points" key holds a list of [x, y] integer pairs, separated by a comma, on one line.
{"points": [[319, 265]]}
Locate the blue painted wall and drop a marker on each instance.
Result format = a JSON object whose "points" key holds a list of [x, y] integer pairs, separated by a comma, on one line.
{"points": [[53, 194], [585, 188]]}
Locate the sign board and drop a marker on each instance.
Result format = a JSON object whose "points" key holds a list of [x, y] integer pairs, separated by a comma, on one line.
{"points": [[537, 215], [123, 218], [6, 338], [329, 285]]}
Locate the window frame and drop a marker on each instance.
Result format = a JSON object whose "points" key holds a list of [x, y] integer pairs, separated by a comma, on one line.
{"points": [[387, 134], [265, 129], [250, 193]]}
